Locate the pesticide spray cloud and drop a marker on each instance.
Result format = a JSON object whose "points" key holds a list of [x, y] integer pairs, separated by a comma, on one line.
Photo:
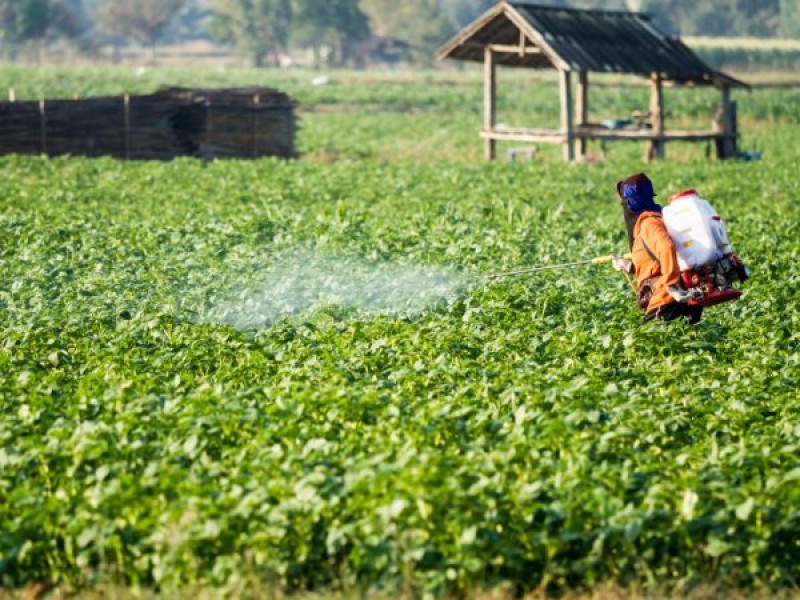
{"points": [[302, 283]]}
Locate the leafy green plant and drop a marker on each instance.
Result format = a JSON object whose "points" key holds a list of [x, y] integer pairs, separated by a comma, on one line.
{"points": [[532, 431]]}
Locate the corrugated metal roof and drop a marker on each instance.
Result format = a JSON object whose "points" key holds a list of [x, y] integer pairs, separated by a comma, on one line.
{"points": [[581, 40]]}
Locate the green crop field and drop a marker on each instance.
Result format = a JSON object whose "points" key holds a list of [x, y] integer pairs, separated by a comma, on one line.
{"points": [[295, 373]]}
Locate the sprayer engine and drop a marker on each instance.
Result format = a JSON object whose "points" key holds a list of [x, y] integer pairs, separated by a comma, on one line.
{"points": [[716, 282], [705, 257]]}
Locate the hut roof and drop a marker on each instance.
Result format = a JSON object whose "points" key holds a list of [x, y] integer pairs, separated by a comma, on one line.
{"points": [[580, 40]]}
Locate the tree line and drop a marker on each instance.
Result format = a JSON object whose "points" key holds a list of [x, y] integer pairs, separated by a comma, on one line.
{"points": [[727, 18], [338, 32]]}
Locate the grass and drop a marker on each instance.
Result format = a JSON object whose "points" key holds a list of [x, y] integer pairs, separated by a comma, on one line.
{"points": [[257, 591]]}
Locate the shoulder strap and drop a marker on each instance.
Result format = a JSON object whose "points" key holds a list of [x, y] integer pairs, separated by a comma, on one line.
{"points": [[647, 248], [650, 252]]}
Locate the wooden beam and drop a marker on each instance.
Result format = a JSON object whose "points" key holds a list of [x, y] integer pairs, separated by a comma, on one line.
{"points": [[535, 36], [521, 50], [601, 133], [549, 136], [582, 108], [465, 34], [567, 123], [489, 101], [656, 146]]}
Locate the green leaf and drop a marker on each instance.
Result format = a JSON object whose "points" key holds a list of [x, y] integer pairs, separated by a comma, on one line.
{"points": [[717, 547]]}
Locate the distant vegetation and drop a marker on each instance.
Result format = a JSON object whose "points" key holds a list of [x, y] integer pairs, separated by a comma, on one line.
{"points": [[748, 59], [340, 32]]}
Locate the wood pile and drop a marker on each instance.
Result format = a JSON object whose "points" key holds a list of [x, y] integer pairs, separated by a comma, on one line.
{"points": [[223, 123]]}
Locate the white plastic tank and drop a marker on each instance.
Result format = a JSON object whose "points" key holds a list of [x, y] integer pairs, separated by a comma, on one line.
{"points": [[696, 230]]}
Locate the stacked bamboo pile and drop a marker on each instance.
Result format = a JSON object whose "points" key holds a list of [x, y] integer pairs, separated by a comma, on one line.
{"points": [[225, 123], [242, 122]]}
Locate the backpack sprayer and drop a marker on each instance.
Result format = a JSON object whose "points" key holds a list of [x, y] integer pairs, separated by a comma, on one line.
{"points": [[705, 256], [708, 266]]}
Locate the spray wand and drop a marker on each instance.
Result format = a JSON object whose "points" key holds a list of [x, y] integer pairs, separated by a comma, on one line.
{"points": [[599, 260]]}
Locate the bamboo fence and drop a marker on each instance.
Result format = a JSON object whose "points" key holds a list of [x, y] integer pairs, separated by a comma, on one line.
{"points": [[212, 123]]}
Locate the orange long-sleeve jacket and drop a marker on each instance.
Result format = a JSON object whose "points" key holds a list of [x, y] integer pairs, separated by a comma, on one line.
{"points": [[654, 260]]}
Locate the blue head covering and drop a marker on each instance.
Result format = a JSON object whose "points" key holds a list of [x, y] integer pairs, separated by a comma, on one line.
{"points": [[637, 192]]}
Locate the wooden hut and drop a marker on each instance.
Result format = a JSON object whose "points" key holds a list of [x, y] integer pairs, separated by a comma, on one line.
{"points": [[519, 34]]}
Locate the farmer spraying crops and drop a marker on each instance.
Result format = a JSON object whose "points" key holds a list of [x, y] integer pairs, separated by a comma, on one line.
{"points": [[680, 256], [654, 260]]}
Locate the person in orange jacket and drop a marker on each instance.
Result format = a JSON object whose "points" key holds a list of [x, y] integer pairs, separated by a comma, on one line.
{"points": [[654, 261]]}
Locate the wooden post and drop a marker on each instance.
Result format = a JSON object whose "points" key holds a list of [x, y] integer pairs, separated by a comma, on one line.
{"points": [[209, 130], [126, 108], [256, 123], [656, 147], [582, 109], [489, 101], [567, 129], [43, 125], [727, 146]]}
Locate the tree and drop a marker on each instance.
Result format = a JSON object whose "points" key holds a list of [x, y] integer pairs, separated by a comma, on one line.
{"points": [[789, 19], [340, 23], [142, 20], [719, 18], [258, 27], [69, 19], [422, 23], [22, 21], [8, 32], [463, 12], [33, 19], [192, 21]]}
